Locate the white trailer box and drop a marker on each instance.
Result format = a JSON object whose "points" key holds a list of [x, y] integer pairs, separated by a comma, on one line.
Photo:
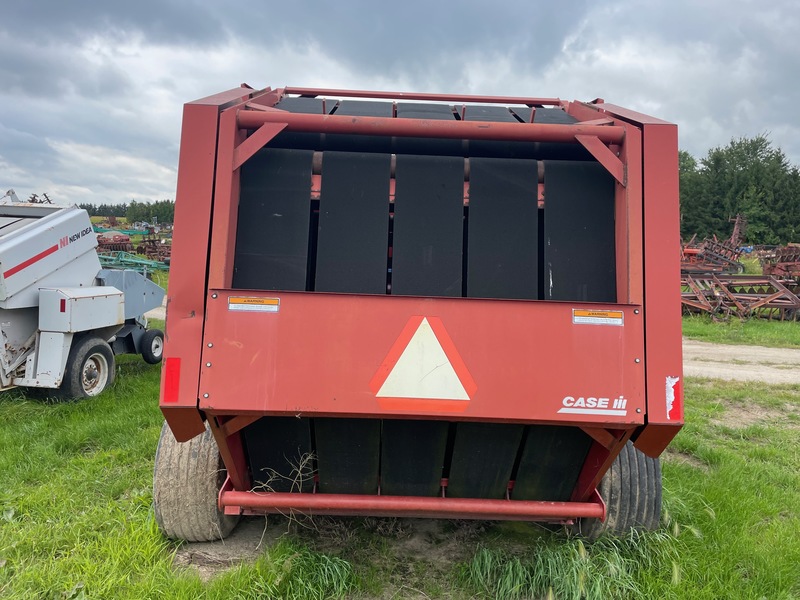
{"points": [[70, 310], [62, 319], [44, 246]]}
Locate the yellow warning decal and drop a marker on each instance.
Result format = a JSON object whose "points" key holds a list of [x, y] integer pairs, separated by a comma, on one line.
{"points": [[250, 304], [597, 317]]}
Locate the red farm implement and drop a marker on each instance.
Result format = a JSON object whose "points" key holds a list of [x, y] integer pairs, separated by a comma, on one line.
{"points": [[742, 296], [420, 305], [783, 262], [715, 256]]}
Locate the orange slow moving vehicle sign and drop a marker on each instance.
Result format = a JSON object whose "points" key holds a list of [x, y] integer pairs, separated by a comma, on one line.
{"points": [[423, 370]]}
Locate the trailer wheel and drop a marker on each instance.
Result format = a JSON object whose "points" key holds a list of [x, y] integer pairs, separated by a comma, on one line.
{"points": [[186, 482], [152, 345], [89, 369], [631, 490]]}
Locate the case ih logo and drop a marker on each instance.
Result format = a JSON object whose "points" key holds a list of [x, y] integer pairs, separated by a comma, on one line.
{"points": [[68, 239], [590, 405]]}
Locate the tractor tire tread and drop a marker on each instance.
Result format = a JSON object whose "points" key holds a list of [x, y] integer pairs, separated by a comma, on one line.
{"points": [[146, 344], [71, 387], [631, 490], [186, 482]]}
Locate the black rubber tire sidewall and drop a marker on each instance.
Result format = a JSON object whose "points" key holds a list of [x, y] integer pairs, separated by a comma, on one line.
{"points": [[187, 477], [631, 490], [83, 348], [146, 344]]}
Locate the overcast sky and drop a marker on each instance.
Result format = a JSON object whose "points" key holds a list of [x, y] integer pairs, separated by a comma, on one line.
{"points": [[92, 92]]}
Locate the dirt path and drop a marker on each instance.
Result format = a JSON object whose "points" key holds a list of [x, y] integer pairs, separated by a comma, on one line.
{"points": [[742, 363], [159, 312]]}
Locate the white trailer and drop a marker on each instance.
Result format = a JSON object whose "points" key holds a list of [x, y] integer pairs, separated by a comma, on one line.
{"points": [[63, 317]]}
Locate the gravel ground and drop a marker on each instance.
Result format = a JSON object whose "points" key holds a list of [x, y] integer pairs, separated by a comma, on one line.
{"points": [[742, 363]]}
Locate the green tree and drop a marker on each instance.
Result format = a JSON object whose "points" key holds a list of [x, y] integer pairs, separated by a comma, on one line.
{"points": [[105, 210], [695, 213], [162, 211], [747, 176]]}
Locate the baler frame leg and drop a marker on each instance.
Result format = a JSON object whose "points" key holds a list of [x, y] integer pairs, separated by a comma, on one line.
{"points": [[231, 449]]}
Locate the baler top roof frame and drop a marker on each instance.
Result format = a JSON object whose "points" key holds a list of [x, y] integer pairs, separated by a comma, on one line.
{"points": [[594, 134]]}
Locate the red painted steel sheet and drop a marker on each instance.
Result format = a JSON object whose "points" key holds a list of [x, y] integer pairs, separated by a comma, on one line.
{"points": [[313, 353], [186, 297], [661, 282]]}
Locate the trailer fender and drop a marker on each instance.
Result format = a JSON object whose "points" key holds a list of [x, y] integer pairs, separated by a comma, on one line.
{"points": [[45, 366]]}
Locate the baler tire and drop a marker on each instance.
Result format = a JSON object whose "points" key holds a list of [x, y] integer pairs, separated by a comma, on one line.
{"points": [[186, 481], [631, 490], [89, 370], [152, 345]]}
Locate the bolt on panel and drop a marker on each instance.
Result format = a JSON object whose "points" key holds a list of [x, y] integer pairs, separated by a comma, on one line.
{"points": [[412, 457], [503, 254], [428, 226], [273, 223], [280, 453], [483, 459], [550, 463], [348, 455], [579, 244], [352, 246]]}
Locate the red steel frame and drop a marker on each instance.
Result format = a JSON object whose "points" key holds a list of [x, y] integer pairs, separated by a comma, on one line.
{"points": [[349, 335]]}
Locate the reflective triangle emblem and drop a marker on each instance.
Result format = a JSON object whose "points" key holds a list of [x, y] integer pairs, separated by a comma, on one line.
{"points": [[423, 364]]}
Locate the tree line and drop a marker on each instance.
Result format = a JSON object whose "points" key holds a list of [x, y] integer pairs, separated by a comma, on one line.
{"points": [[748, 176], [162, 211]]}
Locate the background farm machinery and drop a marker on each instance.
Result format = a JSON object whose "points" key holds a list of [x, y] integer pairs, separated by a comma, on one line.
{"points": [[713, 279]]}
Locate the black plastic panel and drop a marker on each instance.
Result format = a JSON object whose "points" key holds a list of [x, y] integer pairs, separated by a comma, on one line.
{"points": [[494, 113], [361, 143], [544, 115], [428, 226], [552, 459], [279, 449], [430, 146], [364, 108], [311, 106], [273, 223], [412, 456], [579, 232], [348, 454], [413, 110], [550, 150], [353, 223], [483, 459], [503, 229]]}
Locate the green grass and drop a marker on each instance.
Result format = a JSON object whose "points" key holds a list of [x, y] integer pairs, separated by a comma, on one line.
{"points": [[752, 266], [754, 332], [732, 513], [76, 519], [160, 277]]}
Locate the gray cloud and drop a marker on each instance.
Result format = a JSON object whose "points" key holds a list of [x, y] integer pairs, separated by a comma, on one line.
{"points": [[92, 92]]}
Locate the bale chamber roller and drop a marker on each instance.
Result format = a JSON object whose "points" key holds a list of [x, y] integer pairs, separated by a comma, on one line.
{"points": [[420, 305]]}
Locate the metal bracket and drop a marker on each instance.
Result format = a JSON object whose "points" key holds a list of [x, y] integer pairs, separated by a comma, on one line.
{"points": [[605, 157], [260, 138]]}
